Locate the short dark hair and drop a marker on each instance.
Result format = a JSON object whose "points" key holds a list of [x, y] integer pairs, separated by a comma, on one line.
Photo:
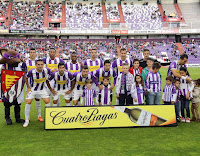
{"points": [[146, 50], [177, 80], [183, 69], [94, 48], [84, 67], [184, 56], [106, 61], [53, 49], [156, 65], [88, 81], [61, 64], [32, 48], [136, 60], [150, 59], [39, 60], [122, 49], [74, 53], [106, 78], [170, 78]]}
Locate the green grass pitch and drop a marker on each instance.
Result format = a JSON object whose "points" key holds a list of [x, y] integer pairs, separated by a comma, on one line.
{"points": [[34, 140]]}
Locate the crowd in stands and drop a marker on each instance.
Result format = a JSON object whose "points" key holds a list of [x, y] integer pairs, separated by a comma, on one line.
{"points": [[134, 48], [84, 15], [27, 15], [112, 11], [55, 10], [3, 8]]}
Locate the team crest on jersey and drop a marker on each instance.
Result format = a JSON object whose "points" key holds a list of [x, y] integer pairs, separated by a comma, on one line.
{"points": [[12, 84]]}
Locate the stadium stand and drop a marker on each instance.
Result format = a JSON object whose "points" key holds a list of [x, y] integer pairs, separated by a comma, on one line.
{"points": [[112, 11], [141, 17], [84, 15], [3, 8], [27, 15], [55, 10]]}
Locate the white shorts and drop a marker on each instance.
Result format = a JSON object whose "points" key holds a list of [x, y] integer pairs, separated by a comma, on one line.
{"points": [[62, 92], [77, 94], [52, 85], [37, 94], [37, 97]]}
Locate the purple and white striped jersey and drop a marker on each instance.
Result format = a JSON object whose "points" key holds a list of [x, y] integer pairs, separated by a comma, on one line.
{"points": [[178, 93], [80, 81], [117, 64], [174, 65], [60, 82], [29, 64], [153, 82], [105, 95], [93, 65], [52, 64], [139, 93], [38, 79], [73, 68], [100, 73], [185, 87], [88, 96], [169, 93]]}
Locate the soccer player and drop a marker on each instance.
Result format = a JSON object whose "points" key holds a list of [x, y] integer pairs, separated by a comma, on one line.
{"points": [[52, 63], [80, 79], [73, 65], [37, 78], [89, 94], [29, 64], [174, 68], [94, 63], [60, 79], [106, 70], [117, 64], [105, 95], [153, 84]]}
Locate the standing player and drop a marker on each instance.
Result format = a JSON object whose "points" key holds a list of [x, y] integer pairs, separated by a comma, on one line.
{"points": [[60, 79], [73, 66], [117, 64], [174, 68], [37, 78], [29, 64], [107, 71], [80, 79], [52, 63], [94, 63]]}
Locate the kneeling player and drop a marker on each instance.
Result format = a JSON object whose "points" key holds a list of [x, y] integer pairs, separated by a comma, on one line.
{"points": [[38, 77], [60, 79]]}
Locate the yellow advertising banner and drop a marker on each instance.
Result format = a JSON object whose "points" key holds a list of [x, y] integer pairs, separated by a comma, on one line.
{"points": [[109, 116]]}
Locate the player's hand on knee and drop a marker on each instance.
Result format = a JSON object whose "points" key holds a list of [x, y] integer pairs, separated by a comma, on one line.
{"points": [[68, 92], [53, 92]]}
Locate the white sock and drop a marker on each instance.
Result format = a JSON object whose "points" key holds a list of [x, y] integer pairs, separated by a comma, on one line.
{"points": [[58, 101], [38, 107], [68, 104], [48, 105], [79, 103], [27, 112], [54, 105]]}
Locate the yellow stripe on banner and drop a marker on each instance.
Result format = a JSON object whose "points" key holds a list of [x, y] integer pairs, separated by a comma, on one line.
{"points": [[52, 66], [40, 80], [105, 116], [31, 67], [10, 80], [93, 68]]}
